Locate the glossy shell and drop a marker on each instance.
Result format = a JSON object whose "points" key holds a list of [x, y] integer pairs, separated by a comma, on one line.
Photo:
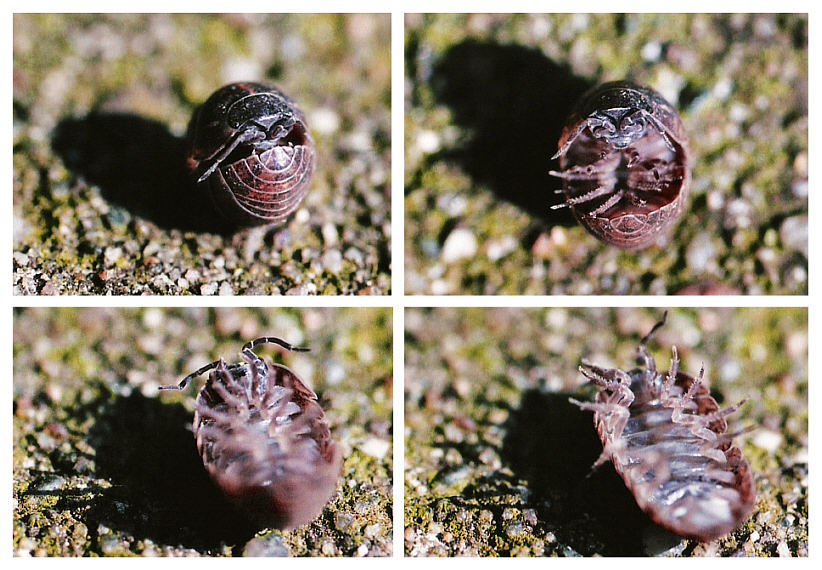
{"points": [[623, 158], [264, 440], [250, 147], [666, 437]]}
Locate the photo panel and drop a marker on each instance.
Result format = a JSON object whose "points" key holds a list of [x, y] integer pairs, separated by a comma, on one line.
{"points": [[278, 447], [202, 154], [507, 410], [619, 154]]}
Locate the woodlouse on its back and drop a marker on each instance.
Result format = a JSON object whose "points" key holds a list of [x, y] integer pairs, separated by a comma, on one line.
{"points": [[263, 438], [623, 158], [666, 437]]}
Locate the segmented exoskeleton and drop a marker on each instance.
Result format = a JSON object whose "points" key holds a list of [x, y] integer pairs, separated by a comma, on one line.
{"points": [[666, 437], [251, 150]]}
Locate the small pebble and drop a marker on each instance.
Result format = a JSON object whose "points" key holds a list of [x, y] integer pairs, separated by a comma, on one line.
{"points": [[324, 120], [21, 259], [112, 255], [208, 289], [343, 520], [271, 545], [700, 252], [375, 447], [513, 529], [794, 233], [428, 141], [459, 244], [332, 261], [767, 439], [652, 51]]}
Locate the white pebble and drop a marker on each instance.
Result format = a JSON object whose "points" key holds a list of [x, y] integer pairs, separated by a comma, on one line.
{"points": [[460, 244], [767, 439], [208, 289], [651, 51], [428, 141], [794, 233], [375, 447], [324, 120], [783, 550]]}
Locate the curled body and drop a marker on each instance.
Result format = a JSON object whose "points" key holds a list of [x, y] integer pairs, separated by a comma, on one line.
{"points": [[668, 440], [264, 440], [250, 148], [623, 158]]}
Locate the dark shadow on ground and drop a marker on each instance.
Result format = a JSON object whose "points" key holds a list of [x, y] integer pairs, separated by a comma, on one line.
{"points": [[160, 489], [552, 444], [513, 101], [138, 166]]}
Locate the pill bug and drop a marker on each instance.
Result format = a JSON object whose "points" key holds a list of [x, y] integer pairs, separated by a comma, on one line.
{"points": [[250, 147], [263, 438], [666, 437], [623, 158]]}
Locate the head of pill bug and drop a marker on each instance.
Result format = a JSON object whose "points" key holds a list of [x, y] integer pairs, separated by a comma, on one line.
{"points": [[624, 165], [250, 149]]}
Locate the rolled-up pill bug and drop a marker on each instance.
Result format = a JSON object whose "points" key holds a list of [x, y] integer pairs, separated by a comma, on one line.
{"points": [[250, 146], [263, 438], [666, 437], [623, 158]]}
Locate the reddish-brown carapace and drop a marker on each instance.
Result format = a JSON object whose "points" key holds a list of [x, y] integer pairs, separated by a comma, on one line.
{"points": [[666, 437], [251, 150], [263, 438]]}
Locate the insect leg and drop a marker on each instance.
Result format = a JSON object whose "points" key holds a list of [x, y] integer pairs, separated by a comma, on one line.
{"points": [[607, 204], [578, 131], [658, 126], [604, 378], [587, 172], [726, 411], [260, 368], [673, 370], [228, 387], [588, 196]]}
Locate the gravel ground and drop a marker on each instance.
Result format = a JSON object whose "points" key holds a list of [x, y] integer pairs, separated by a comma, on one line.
{"points": [[498, 462], [487, 95], [104, 465], [102, 204]]}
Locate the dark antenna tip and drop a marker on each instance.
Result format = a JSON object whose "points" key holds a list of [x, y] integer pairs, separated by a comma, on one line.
{"points": [[660, 323]]}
